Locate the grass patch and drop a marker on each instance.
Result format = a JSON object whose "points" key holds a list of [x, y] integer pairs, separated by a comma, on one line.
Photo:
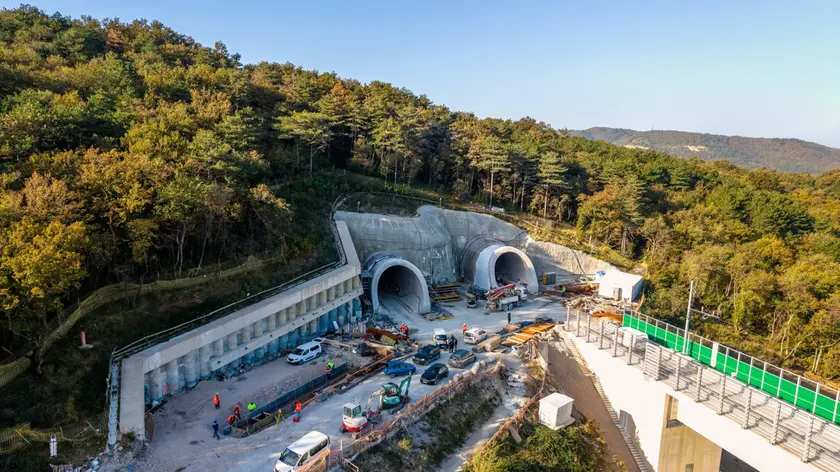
{"points": [[576, 448]]}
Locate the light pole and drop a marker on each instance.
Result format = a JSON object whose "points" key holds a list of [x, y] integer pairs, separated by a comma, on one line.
{"points": [[688, 316]]}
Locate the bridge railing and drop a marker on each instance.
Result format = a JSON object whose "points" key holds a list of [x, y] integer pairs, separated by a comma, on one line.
{"points": [[819, 399], [810, 437]]}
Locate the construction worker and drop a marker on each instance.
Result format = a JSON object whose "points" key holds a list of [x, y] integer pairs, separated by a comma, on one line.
{"points": [[251, 407], [563, 290], [231, 419], [404, 329], [330, 367], [216, 429], [463, 328], [508, 317], [297, 411], [217, 400], [236, 412]]}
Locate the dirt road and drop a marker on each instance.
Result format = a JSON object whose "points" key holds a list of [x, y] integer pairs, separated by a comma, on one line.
{"points": [[568, 377]]}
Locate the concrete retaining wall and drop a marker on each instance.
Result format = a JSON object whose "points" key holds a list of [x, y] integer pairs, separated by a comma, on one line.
{"points": [[252, 335]]}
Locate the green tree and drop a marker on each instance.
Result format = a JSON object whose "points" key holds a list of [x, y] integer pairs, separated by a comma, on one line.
{"points": [[551, 172], [493, 158], [311, 127]]}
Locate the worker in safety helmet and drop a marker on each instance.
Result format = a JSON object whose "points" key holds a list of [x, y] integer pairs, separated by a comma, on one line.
{"points": [[330, 367], [297, 411], [217, 400]]}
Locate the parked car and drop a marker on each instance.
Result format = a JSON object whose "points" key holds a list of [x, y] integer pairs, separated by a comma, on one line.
{"points": [[427, 354], [462, 358], [395, 368], [434, 373], [474, 335], [441, 339], [305, 353], [302, 451]]}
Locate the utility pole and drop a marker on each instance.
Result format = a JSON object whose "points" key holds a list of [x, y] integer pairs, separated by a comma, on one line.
{"points": [[688, 316]]}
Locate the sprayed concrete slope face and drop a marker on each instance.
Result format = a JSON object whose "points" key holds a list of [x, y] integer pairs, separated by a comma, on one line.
{"points": [[453, 245], [423, 241]]}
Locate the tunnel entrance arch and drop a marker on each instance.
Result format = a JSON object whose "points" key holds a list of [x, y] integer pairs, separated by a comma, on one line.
{"points": [[398, 285], [498, 264]]}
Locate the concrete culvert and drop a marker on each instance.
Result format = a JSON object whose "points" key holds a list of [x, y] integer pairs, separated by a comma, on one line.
{"points": [[398, 285]]}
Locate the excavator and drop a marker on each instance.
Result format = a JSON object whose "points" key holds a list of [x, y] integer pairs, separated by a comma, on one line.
{"points": [[390, 397]]}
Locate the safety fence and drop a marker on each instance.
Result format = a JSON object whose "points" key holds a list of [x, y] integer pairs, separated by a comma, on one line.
{"points": [[273, 411], [809, 437], [797, 390], [18, 436], [480, 372]]}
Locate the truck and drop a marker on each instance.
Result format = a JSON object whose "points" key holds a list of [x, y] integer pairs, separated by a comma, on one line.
{"points": [[505, 297]]}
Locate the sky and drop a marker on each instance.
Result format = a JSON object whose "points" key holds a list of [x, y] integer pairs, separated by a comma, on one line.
{"points": [[750, 68]]}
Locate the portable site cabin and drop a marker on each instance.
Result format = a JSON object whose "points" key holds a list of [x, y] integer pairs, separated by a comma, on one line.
{"points": [[620, 286]]}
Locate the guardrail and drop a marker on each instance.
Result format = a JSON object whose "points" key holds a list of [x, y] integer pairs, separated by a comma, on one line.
{"points": [[811, 438]]}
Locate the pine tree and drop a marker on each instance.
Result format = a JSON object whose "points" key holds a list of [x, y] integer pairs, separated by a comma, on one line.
{"points": [[493, 158], [550, 172]]}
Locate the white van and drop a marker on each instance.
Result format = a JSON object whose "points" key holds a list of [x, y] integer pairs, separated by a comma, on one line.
{"points": [[474, 335], [302, 451], [304, 353], [441, 338]]}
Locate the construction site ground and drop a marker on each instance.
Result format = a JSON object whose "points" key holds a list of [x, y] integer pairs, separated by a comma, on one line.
{"points": [[537, 305], [183, 441]]}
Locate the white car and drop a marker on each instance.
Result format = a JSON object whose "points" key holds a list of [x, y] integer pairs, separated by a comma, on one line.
{"points": [[474, 335], [305, 353], [440, 338], [302, 451]]}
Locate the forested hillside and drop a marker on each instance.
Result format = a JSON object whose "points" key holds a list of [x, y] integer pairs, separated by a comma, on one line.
{"points": [[129, 150], [788, 155]]}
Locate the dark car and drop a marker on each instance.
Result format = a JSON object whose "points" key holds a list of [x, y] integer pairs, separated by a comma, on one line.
{"points": [[434, 373], [426, 354], [462, 358], [395, 368]]}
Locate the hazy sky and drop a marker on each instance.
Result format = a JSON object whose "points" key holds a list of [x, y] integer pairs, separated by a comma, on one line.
{"points": [[767, 69]]}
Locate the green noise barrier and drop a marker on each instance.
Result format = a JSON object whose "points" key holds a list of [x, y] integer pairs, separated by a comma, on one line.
{"points": [[793, 393]]}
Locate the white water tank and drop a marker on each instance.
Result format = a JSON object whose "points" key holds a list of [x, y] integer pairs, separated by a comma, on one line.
{"points": [[556, 411]]}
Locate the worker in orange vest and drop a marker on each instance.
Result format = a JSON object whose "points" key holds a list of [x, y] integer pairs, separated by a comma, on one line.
{"points": [[404, 329], [231, 419], [463, 328], [297, 411], [217, 400]]}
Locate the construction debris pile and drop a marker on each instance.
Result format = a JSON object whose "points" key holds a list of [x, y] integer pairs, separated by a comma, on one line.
{"points": [[595, 304]]}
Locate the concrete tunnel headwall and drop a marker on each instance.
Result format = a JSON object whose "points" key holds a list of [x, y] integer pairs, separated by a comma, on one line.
{"points": [[487, 261], [389, 272]]}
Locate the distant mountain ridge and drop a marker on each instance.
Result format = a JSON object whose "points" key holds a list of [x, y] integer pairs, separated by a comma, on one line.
{"points": [[784, 154]]}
